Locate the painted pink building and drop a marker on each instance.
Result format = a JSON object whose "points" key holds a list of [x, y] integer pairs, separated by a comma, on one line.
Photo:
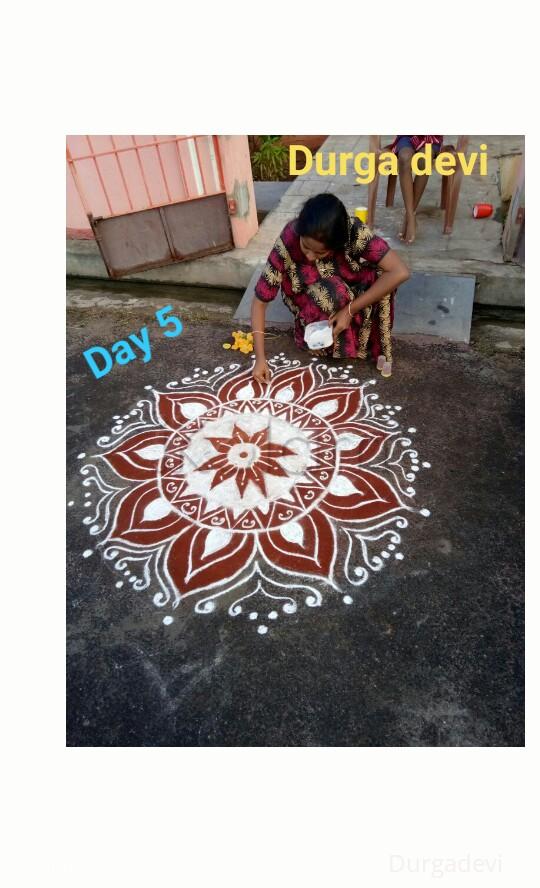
{"points": [[111, 176]]}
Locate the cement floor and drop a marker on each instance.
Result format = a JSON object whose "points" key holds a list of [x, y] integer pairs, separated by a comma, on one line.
{"points": [[431, 652]]}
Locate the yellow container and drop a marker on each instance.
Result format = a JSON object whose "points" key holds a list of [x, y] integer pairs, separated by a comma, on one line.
{"points": [[361, 213]]}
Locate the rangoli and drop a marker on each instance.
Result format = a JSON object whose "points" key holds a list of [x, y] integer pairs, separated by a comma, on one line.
{"points": [[224, 494]]}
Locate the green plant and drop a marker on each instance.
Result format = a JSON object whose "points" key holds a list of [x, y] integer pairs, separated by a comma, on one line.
{"points": [[271, 161]]}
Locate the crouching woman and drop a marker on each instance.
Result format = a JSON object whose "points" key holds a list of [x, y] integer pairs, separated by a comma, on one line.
{"points": [[331, 267]]}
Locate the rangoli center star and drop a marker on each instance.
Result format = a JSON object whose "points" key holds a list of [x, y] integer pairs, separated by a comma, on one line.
{"points": [[246, 458]]}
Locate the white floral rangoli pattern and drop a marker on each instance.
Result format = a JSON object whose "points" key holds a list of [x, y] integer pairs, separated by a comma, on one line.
{"points": [[290, 490]]}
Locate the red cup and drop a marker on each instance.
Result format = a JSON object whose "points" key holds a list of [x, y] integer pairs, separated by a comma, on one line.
{"points": [[482, 211]]}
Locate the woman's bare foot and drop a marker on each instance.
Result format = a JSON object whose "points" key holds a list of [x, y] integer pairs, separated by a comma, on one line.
{"points": [[408, 228]]}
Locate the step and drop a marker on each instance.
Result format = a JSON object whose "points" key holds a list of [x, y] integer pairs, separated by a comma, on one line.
{"points": [[429, 304]]}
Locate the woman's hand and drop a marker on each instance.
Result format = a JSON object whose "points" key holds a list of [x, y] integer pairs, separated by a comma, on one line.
{"points": [[340, 321], [262, 372]]}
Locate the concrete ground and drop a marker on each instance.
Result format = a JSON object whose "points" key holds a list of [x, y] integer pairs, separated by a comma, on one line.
{"points": [[268, 196], [430, 653], [473, 248]]}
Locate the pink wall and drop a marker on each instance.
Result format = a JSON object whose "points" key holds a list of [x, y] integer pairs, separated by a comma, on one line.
{"points": [[234, 151], [164, 172]]}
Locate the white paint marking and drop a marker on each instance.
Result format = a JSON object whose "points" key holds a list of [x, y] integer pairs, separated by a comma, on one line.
{"points": [[341, 486], [81, 456], [285, 395], [262, 630], [216, 539], [273, 615], [426, 465], [192, 409], [325, 408], [347, 599], [293, 532], [167, 621], [399, 556], [411, 431], [153, 451], [253, 615], [246, 393], [157, 509], [348, 441], [425, 512], [71, 503], [87, 553]]}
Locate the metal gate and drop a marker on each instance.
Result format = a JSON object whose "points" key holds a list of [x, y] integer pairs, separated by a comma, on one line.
{"points": [[151, 200]]}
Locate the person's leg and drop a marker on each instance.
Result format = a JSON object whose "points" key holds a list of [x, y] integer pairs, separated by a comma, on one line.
{"points": [[364, 332], [408, 229], [380, 333], [420, 182], [385, 326], [419, 187]]}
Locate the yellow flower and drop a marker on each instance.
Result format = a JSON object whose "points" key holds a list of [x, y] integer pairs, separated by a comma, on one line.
{"points": [[242, 341]]}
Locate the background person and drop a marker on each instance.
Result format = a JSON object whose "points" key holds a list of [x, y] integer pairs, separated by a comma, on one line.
{"points": [[412, 191]]}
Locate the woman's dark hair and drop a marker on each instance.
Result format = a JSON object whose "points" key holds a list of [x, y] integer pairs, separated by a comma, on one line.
{"points": [[324, 218]]}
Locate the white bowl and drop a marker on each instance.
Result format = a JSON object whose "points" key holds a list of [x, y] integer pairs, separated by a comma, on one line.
{"points": [[318, 335]]}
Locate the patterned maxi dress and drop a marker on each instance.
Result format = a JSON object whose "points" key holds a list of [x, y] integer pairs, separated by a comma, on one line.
{"points": [[314, 290]]}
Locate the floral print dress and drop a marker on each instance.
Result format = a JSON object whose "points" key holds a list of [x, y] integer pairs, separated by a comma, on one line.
{"points": [[314, 290]]}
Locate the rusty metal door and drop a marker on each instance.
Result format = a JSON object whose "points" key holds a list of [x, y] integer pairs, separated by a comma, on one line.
{"points": [[163, 235]]}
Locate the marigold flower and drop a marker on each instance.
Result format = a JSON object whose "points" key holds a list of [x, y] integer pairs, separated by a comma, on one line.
{"points": [[242, 342]]}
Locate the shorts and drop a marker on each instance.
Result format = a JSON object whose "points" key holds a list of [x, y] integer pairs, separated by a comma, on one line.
{"points": [[405, 142]]}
